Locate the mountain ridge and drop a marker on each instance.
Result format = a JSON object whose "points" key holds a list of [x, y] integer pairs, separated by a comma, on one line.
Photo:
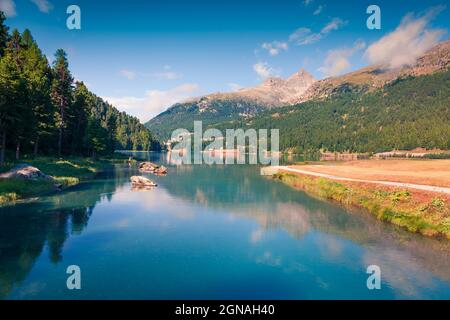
{"points": [[300, 87], [273, 91], [376, 76]]}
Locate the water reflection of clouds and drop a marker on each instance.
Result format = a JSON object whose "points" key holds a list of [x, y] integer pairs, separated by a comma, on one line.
{"points": [[330, 248], [269, 259], [123, 223], [231, 217], [350, 241], [200, 197], [285, 216], [408, 280], [155, 201], [31, 289], [256, 236]]}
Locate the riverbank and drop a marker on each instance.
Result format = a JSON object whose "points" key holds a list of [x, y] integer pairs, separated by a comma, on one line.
{"points": [[418, 211], [65, 171]]}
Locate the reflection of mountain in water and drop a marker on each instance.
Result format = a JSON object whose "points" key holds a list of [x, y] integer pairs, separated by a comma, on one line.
{"points": [[242, 191], [25, 229]]}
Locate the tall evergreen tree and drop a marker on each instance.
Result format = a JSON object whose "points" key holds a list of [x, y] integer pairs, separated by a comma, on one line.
{"points": [[79, 117], [15, 51], [96, 138], [4, 36], [38, 106], [61, 92], [12, 96], [38, 75]]}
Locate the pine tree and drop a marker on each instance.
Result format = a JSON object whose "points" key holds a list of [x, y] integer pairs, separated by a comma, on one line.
{"points": [[12, 94], [15, 51], [4, 36], [79, 117], [39, 106], [96, 138], [38, 75], [61, 92]]}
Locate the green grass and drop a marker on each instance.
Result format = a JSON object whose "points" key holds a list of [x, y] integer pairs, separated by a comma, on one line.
{"points": [[438, 156], [12, 190], [68, 172], [399, 207]]}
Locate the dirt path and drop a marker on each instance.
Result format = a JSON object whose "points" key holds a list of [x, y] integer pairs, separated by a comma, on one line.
{"points": [[387, 183]]}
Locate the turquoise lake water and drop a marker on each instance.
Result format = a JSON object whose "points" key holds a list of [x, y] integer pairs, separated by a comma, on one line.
{"points": [[209, 232]]}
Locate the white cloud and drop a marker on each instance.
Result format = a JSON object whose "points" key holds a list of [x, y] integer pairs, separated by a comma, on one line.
{"points": [[307, 2], [169, 75], [166, 74], [264, 70], [334, 24], [129, 74], [43, 5], [154, 101], [275, 47], [8, 7], [234, 86], [337, 60], [318, 10], [407, 42], [304, 36]]}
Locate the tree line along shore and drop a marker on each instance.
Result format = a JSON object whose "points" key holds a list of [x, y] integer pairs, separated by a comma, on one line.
{"points": [[44, 111], [54, 123]]}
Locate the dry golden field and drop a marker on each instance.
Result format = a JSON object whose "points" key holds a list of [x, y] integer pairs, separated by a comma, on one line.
{"points": [[425, 172]]}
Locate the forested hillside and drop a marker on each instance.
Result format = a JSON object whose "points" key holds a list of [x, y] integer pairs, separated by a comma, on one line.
{"points": [[407, 113], [183, 115], [43, 111]]}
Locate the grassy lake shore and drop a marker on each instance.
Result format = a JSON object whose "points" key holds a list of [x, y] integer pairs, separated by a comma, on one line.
{"points": [[67, 171], [418, 211]]}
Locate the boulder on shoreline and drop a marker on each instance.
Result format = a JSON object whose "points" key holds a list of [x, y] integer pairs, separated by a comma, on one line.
{"points": [[141, 182], [25, 171]]}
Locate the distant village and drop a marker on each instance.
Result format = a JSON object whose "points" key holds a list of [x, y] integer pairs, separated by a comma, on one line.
{"points": [[415, 153]]}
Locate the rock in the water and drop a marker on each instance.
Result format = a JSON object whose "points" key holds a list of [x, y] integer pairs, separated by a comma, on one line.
{"points": [[161, 170], [139, 181], [25, 171], [148, 166]]}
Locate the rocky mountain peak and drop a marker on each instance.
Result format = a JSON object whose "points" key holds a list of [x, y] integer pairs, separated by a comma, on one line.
{"points": [[273, 81], [301, 74], [300, 79]]}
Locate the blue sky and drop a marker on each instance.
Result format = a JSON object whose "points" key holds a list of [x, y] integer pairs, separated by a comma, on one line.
{"points": [[142, 56]]}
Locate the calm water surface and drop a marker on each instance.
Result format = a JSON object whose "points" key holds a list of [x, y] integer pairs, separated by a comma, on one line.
{"points": [[210, 232]]}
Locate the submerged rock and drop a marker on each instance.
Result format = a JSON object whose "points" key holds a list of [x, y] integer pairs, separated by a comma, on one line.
{"points": [[139, 181]]}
